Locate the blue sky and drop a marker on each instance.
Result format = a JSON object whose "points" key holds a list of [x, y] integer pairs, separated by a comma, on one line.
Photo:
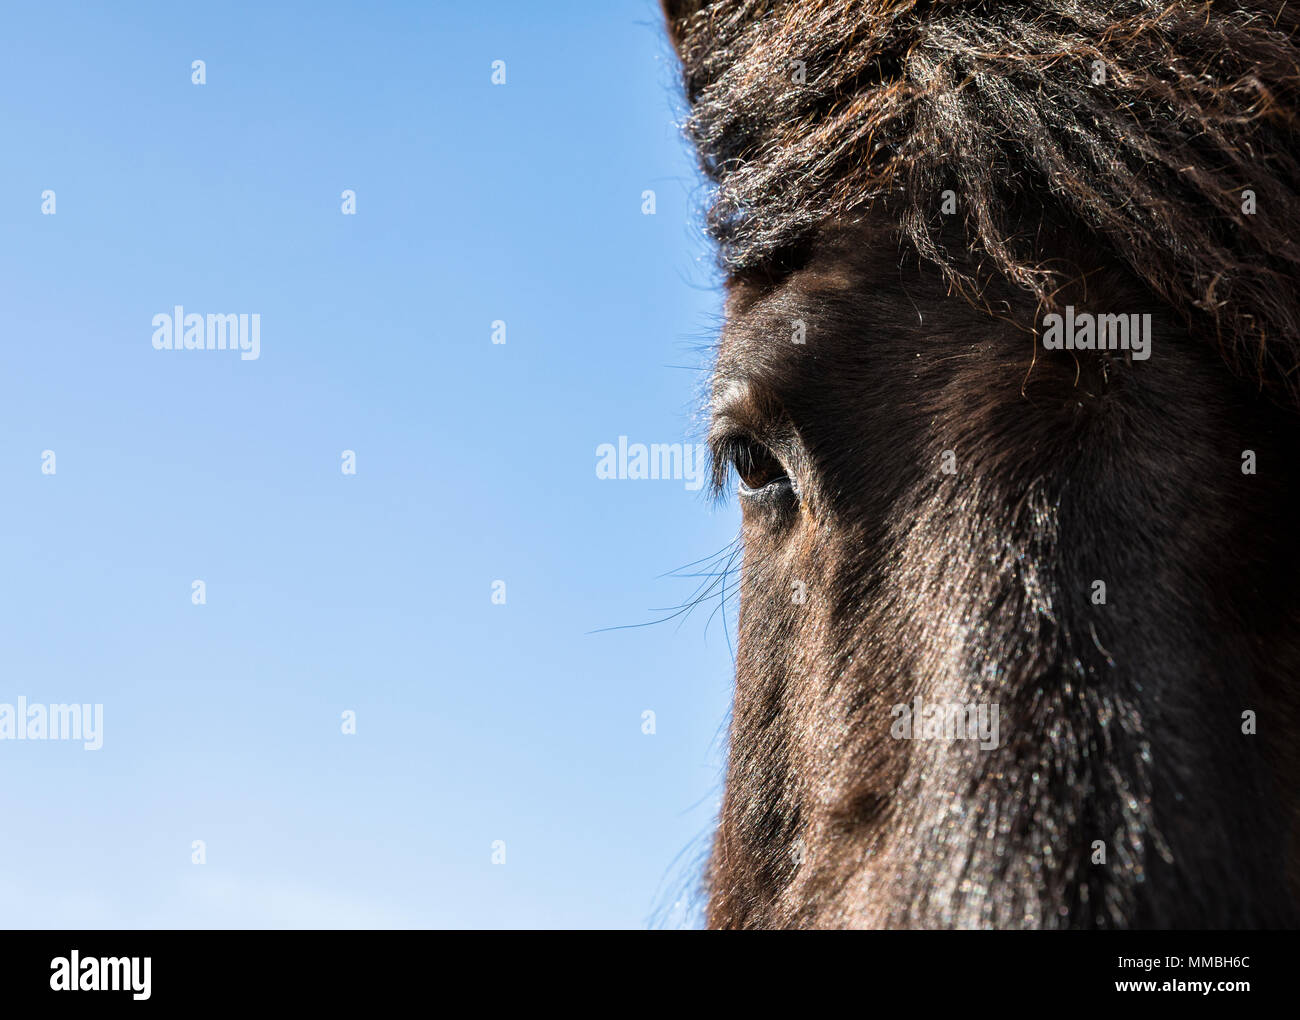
{"points": [[475, 462]]}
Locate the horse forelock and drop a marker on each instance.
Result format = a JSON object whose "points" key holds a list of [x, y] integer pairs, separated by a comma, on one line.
{"points": [[1140, 125]]}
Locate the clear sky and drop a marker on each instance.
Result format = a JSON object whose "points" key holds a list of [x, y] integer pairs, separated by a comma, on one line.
{"points": [[475, 462]]}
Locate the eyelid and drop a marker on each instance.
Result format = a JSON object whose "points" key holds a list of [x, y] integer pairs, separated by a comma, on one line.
{"points": [[747, 412], [741, 405], [746, 492]]}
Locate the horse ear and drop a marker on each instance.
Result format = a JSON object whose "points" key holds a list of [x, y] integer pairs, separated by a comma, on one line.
{"points": [[678, 12]]}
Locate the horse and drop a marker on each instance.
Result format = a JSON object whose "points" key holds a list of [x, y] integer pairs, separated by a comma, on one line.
{"points": [[1007, 379]]}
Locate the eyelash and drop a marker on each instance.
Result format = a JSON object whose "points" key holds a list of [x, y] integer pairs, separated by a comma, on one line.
{"points": [[755, 465]]}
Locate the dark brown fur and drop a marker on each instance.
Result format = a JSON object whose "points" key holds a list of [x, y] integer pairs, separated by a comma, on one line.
{"points": [[1121, 723]]}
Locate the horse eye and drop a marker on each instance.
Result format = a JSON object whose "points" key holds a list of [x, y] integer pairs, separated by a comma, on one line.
{"points": [[757, 467]]}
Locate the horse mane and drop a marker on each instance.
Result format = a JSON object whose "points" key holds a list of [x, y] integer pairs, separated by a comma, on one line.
{"points": [[996, 101]]}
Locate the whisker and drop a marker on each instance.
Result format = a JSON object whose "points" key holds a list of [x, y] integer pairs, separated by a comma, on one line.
{"points": [[717, 582]]}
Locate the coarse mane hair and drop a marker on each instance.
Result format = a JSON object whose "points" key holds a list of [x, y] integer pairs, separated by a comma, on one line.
{"points": [[1137, 125]]}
